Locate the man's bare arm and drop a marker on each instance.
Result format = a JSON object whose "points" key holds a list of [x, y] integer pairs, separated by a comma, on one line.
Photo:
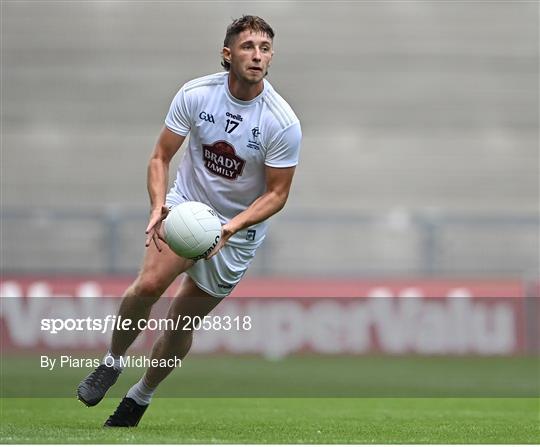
{"points": [[278, 185], [157, 180]]}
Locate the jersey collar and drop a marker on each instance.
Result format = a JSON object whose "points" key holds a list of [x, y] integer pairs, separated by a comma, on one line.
{"points": [[239, 101]]}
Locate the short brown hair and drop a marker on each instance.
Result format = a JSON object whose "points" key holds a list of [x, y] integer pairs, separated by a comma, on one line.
{"points": [[246, 22]]}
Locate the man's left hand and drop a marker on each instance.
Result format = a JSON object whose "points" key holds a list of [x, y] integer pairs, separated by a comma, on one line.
{"points": [[226, 233]]}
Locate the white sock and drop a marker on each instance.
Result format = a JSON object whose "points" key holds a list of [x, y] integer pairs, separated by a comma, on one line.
{"points": [[113, 360], [141, 392]]}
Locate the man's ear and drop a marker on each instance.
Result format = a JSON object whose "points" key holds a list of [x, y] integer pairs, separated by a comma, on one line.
{"points": [[226, 53]]}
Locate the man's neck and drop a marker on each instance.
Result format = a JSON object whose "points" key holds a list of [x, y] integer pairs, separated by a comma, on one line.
{"points": [[242, 90]]}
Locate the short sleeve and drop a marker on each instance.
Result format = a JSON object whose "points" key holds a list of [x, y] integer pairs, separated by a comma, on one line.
{"points": [[284, 149], [178, 119]]}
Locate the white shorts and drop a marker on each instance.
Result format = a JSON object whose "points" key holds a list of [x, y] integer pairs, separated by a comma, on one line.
{"points": [[219, 275]]}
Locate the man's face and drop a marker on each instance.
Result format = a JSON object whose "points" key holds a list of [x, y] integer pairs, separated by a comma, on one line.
{"points": [[249, 55]]}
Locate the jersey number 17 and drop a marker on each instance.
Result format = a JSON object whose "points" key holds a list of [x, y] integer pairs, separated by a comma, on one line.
{"points": [[231, 125]]}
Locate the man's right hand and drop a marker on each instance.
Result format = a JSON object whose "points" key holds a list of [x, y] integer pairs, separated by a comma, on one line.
{"points": [[154, 230]]}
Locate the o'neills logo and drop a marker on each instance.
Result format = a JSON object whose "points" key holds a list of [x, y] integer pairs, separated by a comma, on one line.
{"points": [[220, 158]]}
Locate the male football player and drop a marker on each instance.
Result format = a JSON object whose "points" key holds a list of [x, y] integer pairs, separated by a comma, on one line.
{"points": [[244, 142]]}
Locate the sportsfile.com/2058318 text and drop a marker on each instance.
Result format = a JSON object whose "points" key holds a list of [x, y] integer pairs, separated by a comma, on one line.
{"points": [[113, 322]]}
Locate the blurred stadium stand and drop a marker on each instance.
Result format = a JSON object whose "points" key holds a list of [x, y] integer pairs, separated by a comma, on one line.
{"points": [[420, 120]]}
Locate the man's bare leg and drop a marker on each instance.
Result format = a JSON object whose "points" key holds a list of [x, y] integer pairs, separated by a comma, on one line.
{"points": [[159, 270], [189, 301]]}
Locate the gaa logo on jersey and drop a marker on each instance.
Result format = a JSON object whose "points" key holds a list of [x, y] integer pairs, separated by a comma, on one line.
{"points": [[208, 117], [220, 158]]}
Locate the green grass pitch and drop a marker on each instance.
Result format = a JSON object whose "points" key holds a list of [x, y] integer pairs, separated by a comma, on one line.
{"points": [[278, 420], [304, 399]]}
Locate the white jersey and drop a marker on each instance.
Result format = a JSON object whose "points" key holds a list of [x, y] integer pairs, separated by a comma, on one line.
{"points": [[231, 141]]}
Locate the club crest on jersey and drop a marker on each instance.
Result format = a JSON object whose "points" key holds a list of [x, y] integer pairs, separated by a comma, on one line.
{"points": [[254, 142], [220, 158]]}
